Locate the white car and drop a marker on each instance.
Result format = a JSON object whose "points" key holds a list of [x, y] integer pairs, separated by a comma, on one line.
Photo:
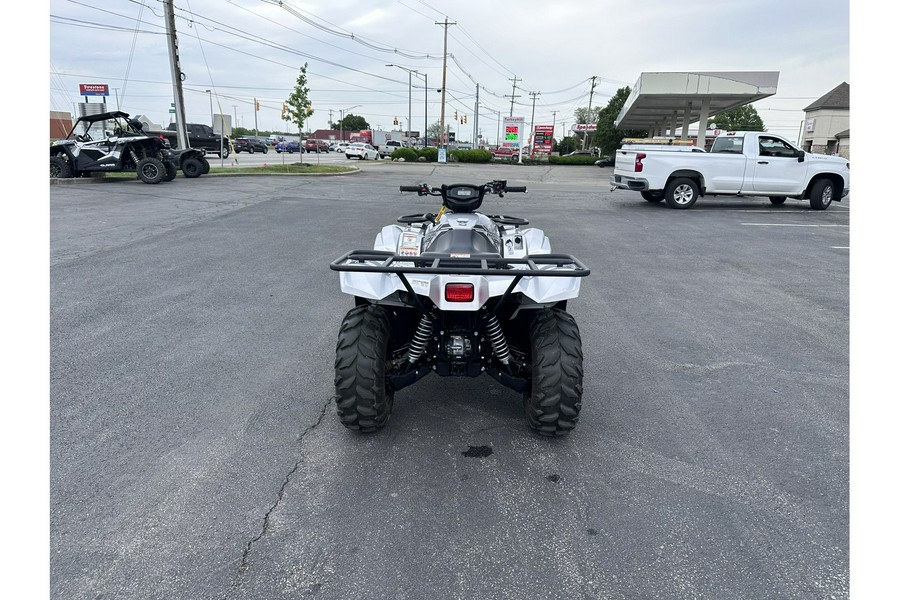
{"points": [[361, 151], [338, 147]]}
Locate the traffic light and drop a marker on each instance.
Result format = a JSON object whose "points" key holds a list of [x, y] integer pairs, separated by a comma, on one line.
{"points": [[283, 111], [396, 122], [465, 119], [455, 116], [257, 106]]}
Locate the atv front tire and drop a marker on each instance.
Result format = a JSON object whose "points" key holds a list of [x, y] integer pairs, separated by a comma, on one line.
{"points": [[364, 398], [205, 163], [553, 403], [60, 168], [171, 171], [151, 170]]}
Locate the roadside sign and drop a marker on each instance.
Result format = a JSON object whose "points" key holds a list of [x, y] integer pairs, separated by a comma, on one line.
{"points": [[93, 89], [512, 131], [582, 127], [543, 139]]}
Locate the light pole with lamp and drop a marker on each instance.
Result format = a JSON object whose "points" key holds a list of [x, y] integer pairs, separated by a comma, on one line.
{"points": [[409, 119], [212, 122], [342, 118]]}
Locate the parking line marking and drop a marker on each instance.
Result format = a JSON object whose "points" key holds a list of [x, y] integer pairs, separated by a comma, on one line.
{"points": [[791, 225], [840, 247]]}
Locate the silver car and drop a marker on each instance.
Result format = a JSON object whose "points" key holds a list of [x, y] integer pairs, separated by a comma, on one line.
{"points": [[361, 151]]}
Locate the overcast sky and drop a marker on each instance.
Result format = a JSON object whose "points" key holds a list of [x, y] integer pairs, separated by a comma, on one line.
{"points": [[246, 49]]}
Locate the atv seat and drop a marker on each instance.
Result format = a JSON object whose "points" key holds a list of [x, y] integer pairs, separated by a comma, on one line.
{"points": [[468, 242]]}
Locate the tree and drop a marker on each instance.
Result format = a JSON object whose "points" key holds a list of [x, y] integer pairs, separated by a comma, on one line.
{"points": [[566, 145], [742, 118], [582, 115], [434, 133], [609, 138], [298, 107], [351, 122]]}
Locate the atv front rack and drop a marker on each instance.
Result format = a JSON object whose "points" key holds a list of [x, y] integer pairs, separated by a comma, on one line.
{"points": [[555, 265]]}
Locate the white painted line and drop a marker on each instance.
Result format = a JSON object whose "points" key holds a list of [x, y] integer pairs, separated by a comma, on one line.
{"points": [[840, 247], [790, 225]]}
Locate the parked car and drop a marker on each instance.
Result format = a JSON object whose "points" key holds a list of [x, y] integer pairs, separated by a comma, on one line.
{"points": [[250, 145], [608, 161], [389, 146], [582, 153], [361, 151], [315, 146], [289, 147], [504, 152], [338, 147]]}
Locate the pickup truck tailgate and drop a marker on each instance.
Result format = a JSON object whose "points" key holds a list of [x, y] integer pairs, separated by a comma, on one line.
{"points": [[625, 161]]}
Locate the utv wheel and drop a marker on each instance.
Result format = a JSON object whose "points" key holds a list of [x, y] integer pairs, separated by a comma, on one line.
{"points": [[171, 171], [364, 399], [682, 193], [192, 167], [60, 168], [554, 400], [777, 199], [822, 194], [205, 164], [653, 196], [151, 170]]}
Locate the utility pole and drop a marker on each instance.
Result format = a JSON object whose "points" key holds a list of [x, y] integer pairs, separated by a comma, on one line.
{"points": [[534, 96], [175, 68], [512, 98], [475, 125], [255, 116], [590, 99], [553, 135], [446, 24]]}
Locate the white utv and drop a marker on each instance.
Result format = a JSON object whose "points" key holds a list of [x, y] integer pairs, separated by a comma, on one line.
{"points": [[460, 293]]}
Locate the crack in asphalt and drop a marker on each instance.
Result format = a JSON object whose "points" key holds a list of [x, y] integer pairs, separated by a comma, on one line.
{"points": [[245, 555]]}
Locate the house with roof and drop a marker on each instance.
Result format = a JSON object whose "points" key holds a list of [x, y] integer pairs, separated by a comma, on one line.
{"points": [[826, 129]]}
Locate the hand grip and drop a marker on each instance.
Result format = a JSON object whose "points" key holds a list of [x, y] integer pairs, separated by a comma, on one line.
{"points": [[409, 188], [515, 188]]}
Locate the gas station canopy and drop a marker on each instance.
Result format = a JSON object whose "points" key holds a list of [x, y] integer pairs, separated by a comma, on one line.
{"points": [[662, 101]]}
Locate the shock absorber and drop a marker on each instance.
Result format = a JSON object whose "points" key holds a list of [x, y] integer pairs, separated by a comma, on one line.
{"points": [[498, 340], [420, 339]]}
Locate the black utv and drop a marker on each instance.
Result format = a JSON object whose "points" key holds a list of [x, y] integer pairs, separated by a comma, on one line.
{"points": [[112, 142]]}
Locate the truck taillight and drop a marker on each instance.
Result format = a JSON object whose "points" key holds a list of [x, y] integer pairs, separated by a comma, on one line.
{"points": [[638, 165], [459, 292]]}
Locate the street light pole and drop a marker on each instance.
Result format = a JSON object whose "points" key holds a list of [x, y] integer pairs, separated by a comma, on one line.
{"points": [[409, 119], [342, 118], [212, 121]]}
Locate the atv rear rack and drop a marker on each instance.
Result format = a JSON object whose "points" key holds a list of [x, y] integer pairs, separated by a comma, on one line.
{"points": [[563, 265]]}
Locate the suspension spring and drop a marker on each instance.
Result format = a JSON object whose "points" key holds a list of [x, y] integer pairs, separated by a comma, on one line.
{"points": [[420, 339], [498, 340]]}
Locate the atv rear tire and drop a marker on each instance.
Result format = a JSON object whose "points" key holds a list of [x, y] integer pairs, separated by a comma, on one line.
{"points": [[192, 167], [364, 398], [151, 170], [554, 401], [171, 171], [60, 168]]}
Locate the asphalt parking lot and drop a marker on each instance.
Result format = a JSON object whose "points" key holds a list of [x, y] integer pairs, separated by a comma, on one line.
{"points": [[195, 451]]}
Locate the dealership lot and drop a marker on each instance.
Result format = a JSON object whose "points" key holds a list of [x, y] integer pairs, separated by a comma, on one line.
{"points": [[195, 452]]}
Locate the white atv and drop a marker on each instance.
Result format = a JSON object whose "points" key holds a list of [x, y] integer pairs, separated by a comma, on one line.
{"points": [[460, 293]]}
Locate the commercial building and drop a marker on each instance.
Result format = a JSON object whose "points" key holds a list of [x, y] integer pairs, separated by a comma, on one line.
{"points": [[826, 129]]}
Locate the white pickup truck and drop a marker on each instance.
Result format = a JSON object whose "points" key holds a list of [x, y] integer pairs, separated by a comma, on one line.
{"points": [[740, 163]]}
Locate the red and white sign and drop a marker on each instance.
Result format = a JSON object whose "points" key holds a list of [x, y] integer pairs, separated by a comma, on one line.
{"points": [[543, 139], [581, 127], [93, 89]]}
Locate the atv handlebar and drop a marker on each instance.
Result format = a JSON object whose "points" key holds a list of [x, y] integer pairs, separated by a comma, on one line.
{"points": [[497, 186]]}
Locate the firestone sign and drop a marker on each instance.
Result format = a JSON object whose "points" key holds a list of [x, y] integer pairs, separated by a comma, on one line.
{"points": [[93, 89]]}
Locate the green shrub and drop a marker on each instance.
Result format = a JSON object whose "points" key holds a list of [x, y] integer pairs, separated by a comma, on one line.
{"points": [[573, 160], [430, 153], [471, 156], [407, 154]]}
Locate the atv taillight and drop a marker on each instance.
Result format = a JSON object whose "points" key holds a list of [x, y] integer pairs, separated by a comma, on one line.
{"points": [[459, 292]]}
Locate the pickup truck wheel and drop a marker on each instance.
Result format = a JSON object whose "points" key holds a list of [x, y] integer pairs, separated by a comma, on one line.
{"points": [[60, 168], [821, 194], [777, 199], [249, 150], [151, 170], [682, 193], [363, 397], [553, 401], [192, 167], [653, 196], [225, 153]]}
